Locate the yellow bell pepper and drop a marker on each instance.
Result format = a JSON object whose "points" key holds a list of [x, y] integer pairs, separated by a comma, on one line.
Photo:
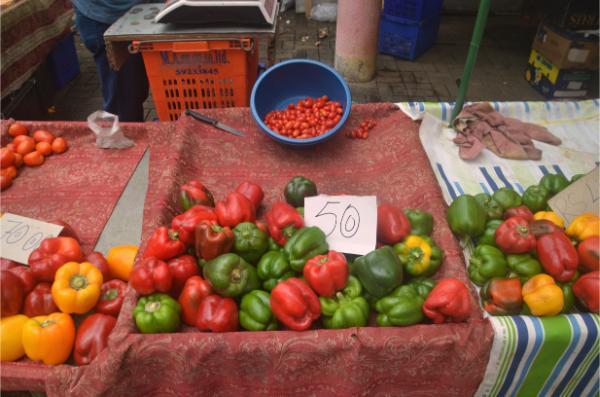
{"points": [[11, 343], [120, 260], [76, 287], [584, 226], [549, 216], [543, 296], [49, 338]]}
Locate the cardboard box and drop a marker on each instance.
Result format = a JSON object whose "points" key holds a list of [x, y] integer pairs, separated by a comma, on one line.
{"points": [[566, 49], [553, 82]]}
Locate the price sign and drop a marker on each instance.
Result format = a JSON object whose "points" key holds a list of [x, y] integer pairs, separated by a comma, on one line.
{"points": [[21, 235], [581, 196], [350, 222]]}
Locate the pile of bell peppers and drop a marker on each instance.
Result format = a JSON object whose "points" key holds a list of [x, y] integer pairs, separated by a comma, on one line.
{"points": [[244, 273], [526, 259], [62, 286]]}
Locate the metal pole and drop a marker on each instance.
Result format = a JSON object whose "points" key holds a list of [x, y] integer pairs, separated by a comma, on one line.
{"points": [[482, 14]]}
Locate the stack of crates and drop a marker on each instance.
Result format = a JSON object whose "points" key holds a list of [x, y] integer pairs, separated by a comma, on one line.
{"points": [[408, 28]]}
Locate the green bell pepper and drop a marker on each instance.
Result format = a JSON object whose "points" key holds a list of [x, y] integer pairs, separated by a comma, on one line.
{"points": [[404, 305], [250, 242], [419, 255], [488, 236], [347, 308], [466, 216], [297, 189], [157, 313], [421, 222], [273, 246], [306, 243], [272, 268], [423, 286], [507, 198], [492, 208], [300, 210], [522, 266], [255, 312], [536, 198], [230, 275], [379, 272], [568, 295], [554, 183], [485, 263]]}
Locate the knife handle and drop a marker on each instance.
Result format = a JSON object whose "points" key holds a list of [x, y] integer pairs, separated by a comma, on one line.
{"points": [[200, 117]]}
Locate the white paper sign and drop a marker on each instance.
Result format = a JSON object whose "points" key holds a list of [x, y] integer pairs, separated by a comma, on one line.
{"points": [[21, 235], [350, 222], [581, 196]]}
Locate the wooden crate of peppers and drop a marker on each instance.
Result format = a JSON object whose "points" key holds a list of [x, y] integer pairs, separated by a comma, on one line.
{"points": [[525, 259]]}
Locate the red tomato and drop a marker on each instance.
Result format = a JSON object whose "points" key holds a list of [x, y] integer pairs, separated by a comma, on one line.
{"points": [[7, 157], [17, 129], [589, 254], [5, 182], [43, 136]]}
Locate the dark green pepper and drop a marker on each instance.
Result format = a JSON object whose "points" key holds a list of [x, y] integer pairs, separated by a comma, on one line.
{"points": [[421, 222], [297, 189], [488, 236], [466, 216], [536, 198], [306, 243], [568, 295], [273, 246], [250, 242], [255, 312], [272, 268], [486, 263], [347, 308], [403, 306], [554, 183], [493, 209], [379, 272], [419, 255], [507, 198], [230, 275], [423, 286], [523, 266], [157, 313]]}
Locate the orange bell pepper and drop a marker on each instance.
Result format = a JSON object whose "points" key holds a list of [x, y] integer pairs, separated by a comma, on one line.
{"points": [[584, 226], [76, 287], [549, 216], [49, 338], [120, 260], [543, 296], [11, 344]]}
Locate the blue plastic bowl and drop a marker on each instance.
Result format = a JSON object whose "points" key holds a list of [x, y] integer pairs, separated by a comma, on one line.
{"points": [[293, 80]]}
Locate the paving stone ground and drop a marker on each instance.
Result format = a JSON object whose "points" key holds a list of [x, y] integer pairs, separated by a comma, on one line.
{"points": [[433, 76]]}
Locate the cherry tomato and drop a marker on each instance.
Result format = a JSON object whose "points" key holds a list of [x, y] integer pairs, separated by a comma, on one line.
{"points": [[44, 148], [43, 136], [18, 160], [9, 171], [33, 159], [26, 146], [17, 129], [5, 182], [59, 145], [7, 157]]}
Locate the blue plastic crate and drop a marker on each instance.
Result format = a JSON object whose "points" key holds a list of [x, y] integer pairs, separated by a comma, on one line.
{"points": [[63, 61], [415, 10], [407, 39]]}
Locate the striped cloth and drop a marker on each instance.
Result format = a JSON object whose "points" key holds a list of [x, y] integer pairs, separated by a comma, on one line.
{"points": [[554, 356]]}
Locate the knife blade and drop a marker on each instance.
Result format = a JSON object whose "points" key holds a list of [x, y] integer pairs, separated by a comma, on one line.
{"points": [[213, 122]]}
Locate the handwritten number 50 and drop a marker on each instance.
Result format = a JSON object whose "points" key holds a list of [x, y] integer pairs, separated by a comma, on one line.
{"points": [[349, 223]]}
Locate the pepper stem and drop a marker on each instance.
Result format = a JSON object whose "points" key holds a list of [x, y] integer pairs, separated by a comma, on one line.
{"points": [[110, 294], [78, 282], [523, 230], [151, 307], [236, 275], [46, 323]]}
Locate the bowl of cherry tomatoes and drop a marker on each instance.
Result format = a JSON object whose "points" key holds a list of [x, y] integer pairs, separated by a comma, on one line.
{"points": [[300, 102]]}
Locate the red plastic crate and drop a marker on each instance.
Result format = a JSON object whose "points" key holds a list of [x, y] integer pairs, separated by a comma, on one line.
{"points": [[199, 74]]}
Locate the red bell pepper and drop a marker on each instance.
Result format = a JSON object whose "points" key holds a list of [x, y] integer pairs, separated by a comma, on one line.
{"points": [[52, 254], [558, 256], [182, 268], [112, 296], [295, 304], [92, 337], [213, 240], [448, 302], [521, 211], [234, 210], [11, 292], [39, 302], [502, 296], [252, 192], [514, 237], [152, 275], [185, 224], [262, 225], [587, 290], [23, 272], [589, 254], [283, 220], [327, 274], [164, 244], [217, 314], [194, 193], [392, 224], [539, 227], [194, 291], [99, 261], [67, 230]]}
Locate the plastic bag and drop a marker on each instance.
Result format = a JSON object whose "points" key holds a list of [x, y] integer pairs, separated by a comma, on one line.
{"points": [[286, 5], [326, 12], [108, 132]]}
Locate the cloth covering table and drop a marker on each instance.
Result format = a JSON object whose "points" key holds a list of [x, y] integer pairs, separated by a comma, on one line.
{"points": [[422, 360]]}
